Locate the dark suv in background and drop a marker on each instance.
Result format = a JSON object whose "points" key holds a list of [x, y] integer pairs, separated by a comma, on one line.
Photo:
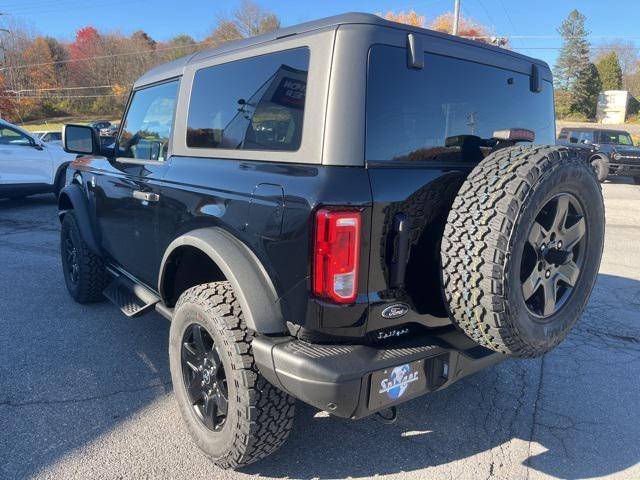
{"points": [[611, 152], [341, 212]]}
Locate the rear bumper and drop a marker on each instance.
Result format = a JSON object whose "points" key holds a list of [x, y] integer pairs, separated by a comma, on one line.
{"points": [[338, 378]]}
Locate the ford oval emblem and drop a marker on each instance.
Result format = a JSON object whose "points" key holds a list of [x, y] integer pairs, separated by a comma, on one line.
{"points": [[396, 310]]}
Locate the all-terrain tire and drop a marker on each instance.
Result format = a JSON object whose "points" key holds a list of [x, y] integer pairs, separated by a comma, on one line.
{"points": [[600, 168], [259, 416], [88, 278], [484, 242]]}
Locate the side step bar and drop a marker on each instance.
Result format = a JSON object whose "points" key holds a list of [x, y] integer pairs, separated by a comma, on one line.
{"points": [[133, 299]]}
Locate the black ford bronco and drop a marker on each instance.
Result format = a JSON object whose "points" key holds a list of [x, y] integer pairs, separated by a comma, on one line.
{"points": [[611, 152], [350, 212]]}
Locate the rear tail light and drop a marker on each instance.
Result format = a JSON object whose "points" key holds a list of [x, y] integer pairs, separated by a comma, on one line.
{"points": [[336, 251]]}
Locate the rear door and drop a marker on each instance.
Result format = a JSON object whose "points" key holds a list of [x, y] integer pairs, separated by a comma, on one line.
{"points": [[128, 196], [22, 161], [426, 129]]}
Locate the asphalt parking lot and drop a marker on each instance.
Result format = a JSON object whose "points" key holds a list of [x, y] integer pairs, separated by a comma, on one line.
{"points": [[86, 393]]}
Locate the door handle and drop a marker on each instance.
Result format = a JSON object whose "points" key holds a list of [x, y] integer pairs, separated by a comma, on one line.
{"points": [[146, 196]]}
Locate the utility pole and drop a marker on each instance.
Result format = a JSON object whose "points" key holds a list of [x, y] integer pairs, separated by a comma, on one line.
{"points": [[456, 16]]}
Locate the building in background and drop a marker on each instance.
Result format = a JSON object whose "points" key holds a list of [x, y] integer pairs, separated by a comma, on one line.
{"points": [[613, 106]]}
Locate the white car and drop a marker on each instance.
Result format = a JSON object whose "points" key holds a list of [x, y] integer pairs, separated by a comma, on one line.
{"points": [[49, 136], [28, 165]]}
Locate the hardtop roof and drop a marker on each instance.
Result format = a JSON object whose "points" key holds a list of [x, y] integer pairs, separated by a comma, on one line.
{"points": [[176, 67]]}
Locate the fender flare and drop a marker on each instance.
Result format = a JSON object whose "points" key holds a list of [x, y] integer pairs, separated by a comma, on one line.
{"points": [[242, 268], [72, 198], [599, 156]]}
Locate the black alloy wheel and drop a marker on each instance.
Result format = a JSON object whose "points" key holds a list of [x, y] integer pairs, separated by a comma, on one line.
{"points": [[204, 377], [553, 256], [72, 263]]}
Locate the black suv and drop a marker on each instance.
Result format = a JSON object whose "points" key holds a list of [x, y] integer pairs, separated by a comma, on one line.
{"points": [[340, 212], [611, 152]]}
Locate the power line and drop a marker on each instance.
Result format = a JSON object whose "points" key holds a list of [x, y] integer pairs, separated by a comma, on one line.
{"points": [[53, 7], [560, 48], [59, 97], [513, 26], [97, 57], [66, 88]]}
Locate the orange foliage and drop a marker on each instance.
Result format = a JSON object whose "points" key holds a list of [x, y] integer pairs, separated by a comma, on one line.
{"points": [[38, 53], [409, 18], [7, 105], [466, 27]]}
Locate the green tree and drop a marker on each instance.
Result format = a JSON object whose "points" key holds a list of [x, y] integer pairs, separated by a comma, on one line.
{"points": [[574, 55], [610, 72], [563, 102], [585, 92]]}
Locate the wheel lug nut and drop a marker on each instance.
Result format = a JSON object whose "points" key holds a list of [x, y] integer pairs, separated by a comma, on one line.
{"points": [[547, 274], [560, 244], [542, 247]]}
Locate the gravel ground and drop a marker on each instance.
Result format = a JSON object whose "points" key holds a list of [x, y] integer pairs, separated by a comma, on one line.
{"points": [[86, 393]]}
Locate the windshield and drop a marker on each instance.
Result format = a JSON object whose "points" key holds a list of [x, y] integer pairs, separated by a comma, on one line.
{"points": [[615, 138]]}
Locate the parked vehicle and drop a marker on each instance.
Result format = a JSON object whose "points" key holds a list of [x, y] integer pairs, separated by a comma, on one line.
{"points": [[103, 127], [110, 131], [611, 152], [343, 212], [48, 135], [28, 165]]}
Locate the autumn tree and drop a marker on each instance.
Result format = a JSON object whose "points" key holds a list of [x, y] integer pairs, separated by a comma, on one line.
{"points": [[252, 20], [59, 55], [467, 28], [177, 47], [225, 31], [626, 51], [7, 101], [610, 72], [409, 18], [86, 45], [248, 20], [41, 74]]}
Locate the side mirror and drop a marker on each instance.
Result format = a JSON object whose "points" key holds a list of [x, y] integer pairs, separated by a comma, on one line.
{"points": [[80, 139], [35, 143]]}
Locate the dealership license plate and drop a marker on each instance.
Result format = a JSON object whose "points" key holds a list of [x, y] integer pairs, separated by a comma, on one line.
{"points": [[395, 384]]}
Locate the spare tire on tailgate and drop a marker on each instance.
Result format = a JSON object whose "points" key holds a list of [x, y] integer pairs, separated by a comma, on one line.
{"points": [[522, 247]]}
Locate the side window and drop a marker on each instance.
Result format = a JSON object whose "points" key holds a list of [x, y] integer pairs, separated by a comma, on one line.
{"points": [[585, 138], [573, 137], [251, 104], [564, 135], [9, 136], [147, 127]]}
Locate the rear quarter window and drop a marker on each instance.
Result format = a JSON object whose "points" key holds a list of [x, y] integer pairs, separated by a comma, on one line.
{"points": [[251, 104], [444, 110]]}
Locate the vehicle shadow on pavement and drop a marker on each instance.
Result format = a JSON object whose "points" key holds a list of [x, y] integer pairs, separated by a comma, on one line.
{"points": [[573, 414], [33, 201], [71, 375]]}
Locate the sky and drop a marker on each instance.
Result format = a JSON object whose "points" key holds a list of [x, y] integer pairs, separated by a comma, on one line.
{"points": [[162, 19]]}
